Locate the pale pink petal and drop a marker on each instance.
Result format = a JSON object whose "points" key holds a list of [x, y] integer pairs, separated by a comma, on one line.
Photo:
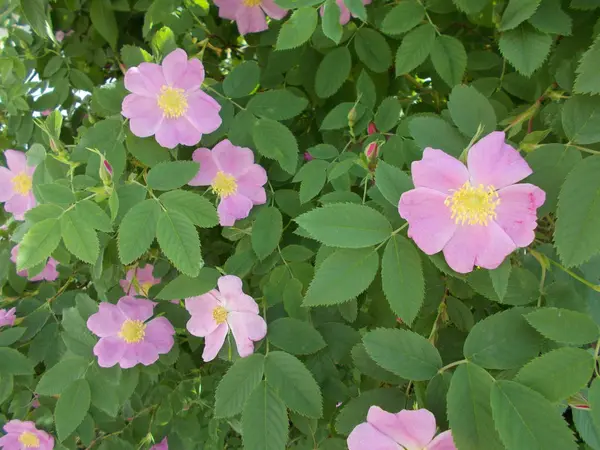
{"points": [[412, 429], [429, 219], [202, 322], [18, 426], [166, 134], [256, 194], [162, 445], [109, 351], [228, 8], [135, 105], [246, 328], [145, 274], [440, 171], [107, 321], [273, 10], [174, 66], [10, 441], [491, 162], [6, 185], [159, 332], [136, 308], [146, 79], [214, 341], [16, 161], [127, 284], [48, 273], [250, 20], [18, 205], [193, 77], [230, 288], [208, 168], [232, 159], [147, 124], [517, 211], [233, 208], [254, 175], [344, 12], [203, 112], [443, 441], [366, 437], [142, 352], [187, 133]]}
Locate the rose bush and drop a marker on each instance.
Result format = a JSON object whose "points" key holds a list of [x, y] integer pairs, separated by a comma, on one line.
{"points": [[300, 224]]}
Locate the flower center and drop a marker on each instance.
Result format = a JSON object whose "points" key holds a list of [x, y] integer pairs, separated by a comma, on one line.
{"points": [[224, 184], [29, 440], [145, 287], [473, 205], [22, 183], [220, 315], [172, 101], [132, 331], [252, 3]]}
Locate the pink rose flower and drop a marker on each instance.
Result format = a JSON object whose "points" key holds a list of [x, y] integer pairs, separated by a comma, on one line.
{"points": [[24, 435], [250, 14], [217, 311], [413, 430], [7, 317], [48, 273], [162, 445], [60, 35], [233, 176], [167, 101], [344, 11], [16, 184], [126, 338], [139, 281], [476, 215]]}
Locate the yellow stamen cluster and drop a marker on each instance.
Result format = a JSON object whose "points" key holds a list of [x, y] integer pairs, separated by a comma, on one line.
{"points": [[172, 101], [22, 183], [132, 331], [473, 205], [224, 184], [252, 3], [220, 315], [29, 440]]}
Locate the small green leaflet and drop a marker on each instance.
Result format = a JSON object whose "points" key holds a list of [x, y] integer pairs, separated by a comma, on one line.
{"points": [[237, 384], [275, 141], [297, 29]]}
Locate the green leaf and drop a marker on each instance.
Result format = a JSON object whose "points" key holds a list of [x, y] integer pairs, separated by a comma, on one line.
{"points": [[403, 17], [392, 182], [564, 326], [402, 278], [403, 352], [14, 363], [550, 18], [471, 6], [449, 59], [55, 193], [500, 277], [338, 117], [242, 80], [266, 231], [9, 336], [237, 384], [294, 384], [585, 4], [388, 114], [89, 212], [525, 48], [373, 50], [172, 175], [367, 366], [295, 336], [278, 104], [577, 235], [414, 49], [79, 238], [134, 56], [594, 399], [570, 369], [357, 9], [184, 286], [502, 341], [198, 209], [179, 242], [38, 243], [332, 72], [342, 276], [42, 212], [81, 81], [446, 137], [264, 420], [526, 420], [35, 13], [587, 81], [297, 29], [517, 12], [581, 119], [103, 19], [346, 225], [470, 411], [331, 21], [71, 408], [146, 150], [61, 375], [313, 176], [479, 113], [275, 141], [134, 239], [36, 155]]}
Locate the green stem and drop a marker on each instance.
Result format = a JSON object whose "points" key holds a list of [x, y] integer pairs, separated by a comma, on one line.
{"points": [[451, 365], [589, 284]]}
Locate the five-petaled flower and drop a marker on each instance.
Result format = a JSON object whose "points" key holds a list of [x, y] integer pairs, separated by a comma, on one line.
{"points": [[476, 215], [25, 436], [406, 430], [233, 176], [138, 281], [167, 101], [217, 311], [8, 317], [48, 273], [126, 336], [16, 184], [250, 14], [344, 11]]}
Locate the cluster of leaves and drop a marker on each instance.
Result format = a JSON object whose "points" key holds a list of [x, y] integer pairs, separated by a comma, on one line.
{"points": [[357, 316]]}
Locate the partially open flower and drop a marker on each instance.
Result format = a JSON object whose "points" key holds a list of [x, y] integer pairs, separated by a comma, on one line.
{"points": [[138, 281]]}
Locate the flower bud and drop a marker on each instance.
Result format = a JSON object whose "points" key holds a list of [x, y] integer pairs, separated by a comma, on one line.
{"points": [[308, 156], [372, 151], [60, 35], [352, 117], [372, 129], [105, 171]]}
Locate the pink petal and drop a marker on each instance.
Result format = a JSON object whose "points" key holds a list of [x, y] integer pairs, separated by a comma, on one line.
{"points": [[429, 219], [203, 112], [232, 159], [159, 332], [6, 185], [49, 273], [174, 66], [208, 168], [142, 352], [443, 441], [18, 205], [10, 441], [254, 175], [517, 211], [492, 162], [251, 20], [146, 79], [344, 12], [18, 426], [109, 351], [188, 134], [233, 208], [256, 194], [166, 134], [162, 445], [127, 284], [230, 288], [246, 328], [366, 437], [16, 161], [146, 122], [228, 8], [173, 132], [107, 321], [440, 171], [274, 11], [136, 308], [202, 322], [214, 341], [193, 77], [412, 429]]}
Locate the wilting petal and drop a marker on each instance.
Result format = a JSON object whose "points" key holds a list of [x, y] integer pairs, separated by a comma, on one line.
{"points": [[230, 288], [517, 211], [440, 171], [246, 328]]}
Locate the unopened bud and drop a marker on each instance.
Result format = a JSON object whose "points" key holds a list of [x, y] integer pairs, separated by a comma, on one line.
{"points": [[60, 35], [352, 117], [372, 151], [372, 129], [308, 156], [105, 172]]}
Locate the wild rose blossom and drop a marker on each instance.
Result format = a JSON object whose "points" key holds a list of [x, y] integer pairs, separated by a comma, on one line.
{"points": [[344, 11], [410, 430], [144, 280], [233, 176], [249, 15], [16, 184], [167, 101], [218, 311], [162, 445], [25, 436], [126, 336], [476, 215], [8, 317], [48, 273]]}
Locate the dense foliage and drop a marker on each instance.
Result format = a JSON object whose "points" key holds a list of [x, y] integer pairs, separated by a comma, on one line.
{"points": [[161, 149]]}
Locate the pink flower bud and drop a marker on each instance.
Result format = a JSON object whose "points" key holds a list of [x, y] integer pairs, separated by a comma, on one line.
{"points": [[46, 112], [372, 151], [105, 172], [108, 167], [372, 129], [60, 35], [308, 156]]}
